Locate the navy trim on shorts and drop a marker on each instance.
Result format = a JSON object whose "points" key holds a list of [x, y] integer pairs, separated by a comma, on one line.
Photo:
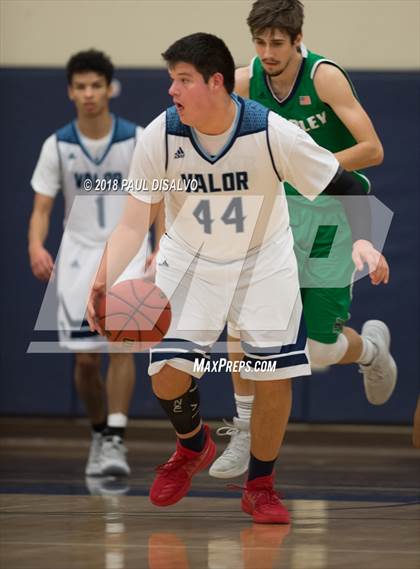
{"points": [[81, 334], [84, 332], [170, 355], [282, 361], [190, 350], [298, 346]]}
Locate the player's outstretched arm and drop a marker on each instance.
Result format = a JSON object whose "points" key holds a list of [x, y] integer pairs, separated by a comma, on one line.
{"points": [[314, 171], [122, 245], [40, 259], [334, 89], [356, 205]]}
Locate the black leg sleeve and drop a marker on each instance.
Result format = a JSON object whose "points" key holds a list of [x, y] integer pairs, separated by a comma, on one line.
{"points": [[184, 411]]}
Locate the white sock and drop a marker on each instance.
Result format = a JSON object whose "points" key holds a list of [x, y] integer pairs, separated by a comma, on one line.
{"points": [[244, 406], [368, 353], [118, 420]]}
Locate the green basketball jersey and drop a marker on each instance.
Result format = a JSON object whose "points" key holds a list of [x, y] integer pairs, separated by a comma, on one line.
{"points": [[304, 108], [323, 241]]}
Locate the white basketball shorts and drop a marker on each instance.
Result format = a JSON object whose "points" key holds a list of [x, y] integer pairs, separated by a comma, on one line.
{"points": [[259, 295]]}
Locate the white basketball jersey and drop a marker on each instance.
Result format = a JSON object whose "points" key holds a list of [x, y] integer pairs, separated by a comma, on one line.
{"points": [[231, 204], [225, 210], [93, 216]]}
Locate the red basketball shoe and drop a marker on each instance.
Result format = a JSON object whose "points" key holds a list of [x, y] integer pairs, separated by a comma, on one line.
{"points": [[173, 478], [260, 500]]}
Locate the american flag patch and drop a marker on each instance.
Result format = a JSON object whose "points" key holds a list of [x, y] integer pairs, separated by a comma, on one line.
{"points": [[305, 100]]}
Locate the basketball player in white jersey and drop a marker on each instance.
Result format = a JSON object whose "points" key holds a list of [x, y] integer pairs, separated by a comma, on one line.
{"points": [[227, 254], [95, 146]]}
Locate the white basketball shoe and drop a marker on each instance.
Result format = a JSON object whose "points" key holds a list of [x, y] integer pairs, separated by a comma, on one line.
{"points": [[380, 376], [234, 460], [113, 457], [93, 465]]}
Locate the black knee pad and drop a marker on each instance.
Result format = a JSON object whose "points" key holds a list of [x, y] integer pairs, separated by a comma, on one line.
{"points": [[184, 411]]}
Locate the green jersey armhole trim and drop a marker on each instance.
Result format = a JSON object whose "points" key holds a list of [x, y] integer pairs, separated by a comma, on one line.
{"points": [[330, 62], [315, 66]]}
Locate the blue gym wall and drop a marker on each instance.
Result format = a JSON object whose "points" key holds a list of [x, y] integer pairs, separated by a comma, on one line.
{"points": [[33, 104]]}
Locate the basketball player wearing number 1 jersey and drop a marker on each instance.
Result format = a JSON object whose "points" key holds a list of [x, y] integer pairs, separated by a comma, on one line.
{"points": [[94, 149]]}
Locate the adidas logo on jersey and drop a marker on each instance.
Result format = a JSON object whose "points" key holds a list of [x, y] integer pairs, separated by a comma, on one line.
{"points": [[75, 264], [71, 156], [179, 153]]}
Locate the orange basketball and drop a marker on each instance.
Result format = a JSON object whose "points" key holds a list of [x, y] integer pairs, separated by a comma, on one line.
{"points": [[135, 312]]}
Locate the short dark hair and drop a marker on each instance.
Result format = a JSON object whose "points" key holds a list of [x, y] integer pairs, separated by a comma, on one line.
{"points": [[208, 53], [90, 60], [284, 15]]}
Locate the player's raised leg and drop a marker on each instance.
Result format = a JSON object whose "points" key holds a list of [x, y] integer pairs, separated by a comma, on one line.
{"points": [[91, 391], [119, 387], [330, 342], [178, 395]]}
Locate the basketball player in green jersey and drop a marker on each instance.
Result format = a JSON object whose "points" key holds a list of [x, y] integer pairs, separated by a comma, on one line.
{"points": [[316, 94]]}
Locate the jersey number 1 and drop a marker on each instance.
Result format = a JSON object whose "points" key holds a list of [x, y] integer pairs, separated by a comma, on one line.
{"points": [[101, 210]]}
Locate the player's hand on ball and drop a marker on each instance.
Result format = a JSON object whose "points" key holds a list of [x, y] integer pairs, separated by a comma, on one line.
{"points": [[42, 263], [96, 293], [365, 252]]}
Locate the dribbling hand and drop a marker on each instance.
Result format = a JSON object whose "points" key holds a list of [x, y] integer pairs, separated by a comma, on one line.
{"points": [[96, 293]]}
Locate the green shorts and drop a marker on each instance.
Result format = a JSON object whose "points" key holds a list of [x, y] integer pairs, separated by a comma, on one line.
{"points": [[326, 310], [323, 247]]}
